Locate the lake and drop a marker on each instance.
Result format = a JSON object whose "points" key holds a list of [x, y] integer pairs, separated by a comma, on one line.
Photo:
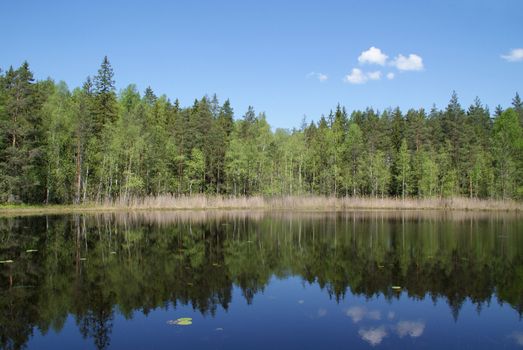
{"points": [[256, 280]]}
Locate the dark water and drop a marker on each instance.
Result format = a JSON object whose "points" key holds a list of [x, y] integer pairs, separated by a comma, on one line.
{"points": [[262, 281]]}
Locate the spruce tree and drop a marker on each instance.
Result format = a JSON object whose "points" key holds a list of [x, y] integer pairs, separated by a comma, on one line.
{"points": [[518, 107], [106, 109]]}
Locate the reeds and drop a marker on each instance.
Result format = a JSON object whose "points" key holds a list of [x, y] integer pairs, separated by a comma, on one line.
{"points": [[310, 203], [280, 203]]}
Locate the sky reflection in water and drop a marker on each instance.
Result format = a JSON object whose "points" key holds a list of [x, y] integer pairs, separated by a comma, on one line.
{"points": [[262, 281]]}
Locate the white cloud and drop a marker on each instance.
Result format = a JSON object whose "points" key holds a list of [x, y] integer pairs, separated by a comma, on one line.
{"points": [[413, 329], [374, 75], [320, 76], [518, 337], [356, 77], [373, 56], [514, 55], [373, 336], [412, 62]]}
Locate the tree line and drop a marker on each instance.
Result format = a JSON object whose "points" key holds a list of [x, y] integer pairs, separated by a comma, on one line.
{"points": [[92, 144]]}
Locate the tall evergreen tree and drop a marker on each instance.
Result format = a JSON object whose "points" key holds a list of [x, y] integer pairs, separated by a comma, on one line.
{"points": [[21, 160], [105, 102], [517, 104]]}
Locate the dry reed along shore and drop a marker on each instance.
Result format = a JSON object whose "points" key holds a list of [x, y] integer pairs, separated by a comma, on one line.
{"points": [[309, 203], [280, 203]]}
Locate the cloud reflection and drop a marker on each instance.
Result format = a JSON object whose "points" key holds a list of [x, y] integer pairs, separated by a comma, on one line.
{"points": [[518, 337], [373, 336], [374, 315], [413, 329], [358, 313]]}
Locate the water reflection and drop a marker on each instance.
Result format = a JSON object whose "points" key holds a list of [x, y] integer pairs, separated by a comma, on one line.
{"points": [[373, 336], [358, 313], [96, 267], [518, 337], [413, 329]]}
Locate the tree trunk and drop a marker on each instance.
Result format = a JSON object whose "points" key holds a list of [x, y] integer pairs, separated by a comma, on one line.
{"points": [[78, 172]]}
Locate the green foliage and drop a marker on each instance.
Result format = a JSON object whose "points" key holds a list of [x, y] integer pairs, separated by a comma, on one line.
{"points": [[195, 171], [428, 179], [508, 154], [92, 144], [403, 165]]}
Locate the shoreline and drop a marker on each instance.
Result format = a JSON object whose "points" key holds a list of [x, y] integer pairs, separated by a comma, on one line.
{"points": [[289, 203]]}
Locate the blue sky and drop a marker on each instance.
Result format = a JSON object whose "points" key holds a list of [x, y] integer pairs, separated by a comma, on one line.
{"points": [[271, 54]]}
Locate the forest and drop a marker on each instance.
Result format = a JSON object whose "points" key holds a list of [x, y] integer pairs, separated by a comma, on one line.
{"points": [[92, 144]]}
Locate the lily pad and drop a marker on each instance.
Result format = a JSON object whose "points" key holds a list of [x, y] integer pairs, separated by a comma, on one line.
{"points": [[182, 321], [396, 287], [31, 250], [83, 259], [6, 261]]}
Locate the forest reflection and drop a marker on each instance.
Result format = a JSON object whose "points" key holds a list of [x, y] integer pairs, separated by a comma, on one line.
{"points": [[91, 267]]}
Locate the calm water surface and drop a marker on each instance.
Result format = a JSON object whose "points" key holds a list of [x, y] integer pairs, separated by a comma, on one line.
{"points": [[385, 280]]}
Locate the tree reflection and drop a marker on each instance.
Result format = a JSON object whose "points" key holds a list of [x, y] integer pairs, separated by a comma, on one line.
{"points": [[91, 266]]}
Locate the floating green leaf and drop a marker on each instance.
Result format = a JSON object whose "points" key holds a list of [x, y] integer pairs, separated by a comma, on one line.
{"points": [[182, 321], [396, 287], [6, 261], [31, 250]]}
